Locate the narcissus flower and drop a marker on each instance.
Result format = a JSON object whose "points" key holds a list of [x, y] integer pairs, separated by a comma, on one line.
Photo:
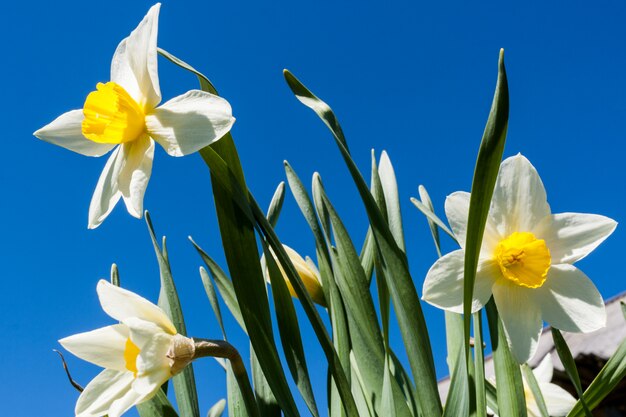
{"points": [[136, 354], [558, 401], [123, 114], [525, 261], [308, 274]]}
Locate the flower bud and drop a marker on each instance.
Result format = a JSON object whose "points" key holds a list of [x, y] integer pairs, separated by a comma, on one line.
{"points": [[309, 276]]}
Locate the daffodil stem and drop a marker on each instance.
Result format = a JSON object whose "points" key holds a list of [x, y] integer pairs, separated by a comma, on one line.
{"points": [[223, 349]]}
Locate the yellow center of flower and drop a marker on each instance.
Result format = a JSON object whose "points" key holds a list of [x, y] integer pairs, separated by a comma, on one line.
{"points": [[131, 351], [112, 116], [523, 259]]}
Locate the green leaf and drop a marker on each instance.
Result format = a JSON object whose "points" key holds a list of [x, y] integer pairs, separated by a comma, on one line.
{"points": [[458, 400], [236, 227], [536, 391], [289, 330], [383, 292], [157, 406], [276, 204], [511, 401], [224, 285], [268, 407], [212, 296], [205, 84], [492, 397], [485, 174], [390, 189], [388, 406], [184, 382], [332, 357], [236, 403], [217, 409], [427, 203], [479, 367], [432, 218], [402, 290], [570, 366]]}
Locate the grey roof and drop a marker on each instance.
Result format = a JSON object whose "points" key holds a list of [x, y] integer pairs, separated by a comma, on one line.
{"points": [[600, 344]]}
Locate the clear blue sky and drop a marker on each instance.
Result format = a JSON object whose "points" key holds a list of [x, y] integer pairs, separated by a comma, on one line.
{"points": [[414, 78]]}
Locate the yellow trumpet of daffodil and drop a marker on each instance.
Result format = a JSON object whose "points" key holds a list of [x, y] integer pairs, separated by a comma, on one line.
{"points": [[525, 261], [139, 354], [122, 114], [309, 276]]}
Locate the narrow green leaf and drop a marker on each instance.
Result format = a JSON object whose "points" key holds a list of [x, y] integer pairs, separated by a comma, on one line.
{"points": [[236, 228], [217, 409], [236, 403], [432, 224], [388, 406], [332, 357], [432, 217], [268, 406], [212, 296], [511, 401], [383, 292], [115, 275], [392, 200], [565, 355], [184, 382], [276, 204], [479, 366], [368, 251], [367, 341], [492, 397], [224, 285], [363, 400], [205, 84], [240, 248], [289, 331], [402, 290], [534, 388], [609, 377], [485, 174], [458, 400]]}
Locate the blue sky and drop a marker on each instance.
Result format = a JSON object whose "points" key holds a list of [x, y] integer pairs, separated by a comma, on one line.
{"points": [[414, 78]]}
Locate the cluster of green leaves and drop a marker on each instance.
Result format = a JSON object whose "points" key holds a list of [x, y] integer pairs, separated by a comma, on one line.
{"points": [[365, 377]]}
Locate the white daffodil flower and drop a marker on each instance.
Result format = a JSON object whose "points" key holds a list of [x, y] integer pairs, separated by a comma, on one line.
{"points": [[137, 354], [308, 274], [525, 261], [558, 401], [123, 114]]}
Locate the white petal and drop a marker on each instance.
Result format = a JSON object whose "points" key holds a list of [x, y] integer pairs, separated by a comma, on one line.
{"points": [[134, 176], [107, 193], [572, 236], [443, 286], [543, 371], [103, 347], [558, 401], [134, 64], [519, 199], [521, 318], [66, 131], [148, 382], [130, 398], [102, 391], [457, 210], [569, 301], [190, 122], [122, 304]]}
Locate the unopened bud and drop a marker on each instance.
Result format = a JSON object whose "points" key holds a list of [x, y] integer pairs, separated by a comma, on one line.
{"points": [[307, 274]]}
